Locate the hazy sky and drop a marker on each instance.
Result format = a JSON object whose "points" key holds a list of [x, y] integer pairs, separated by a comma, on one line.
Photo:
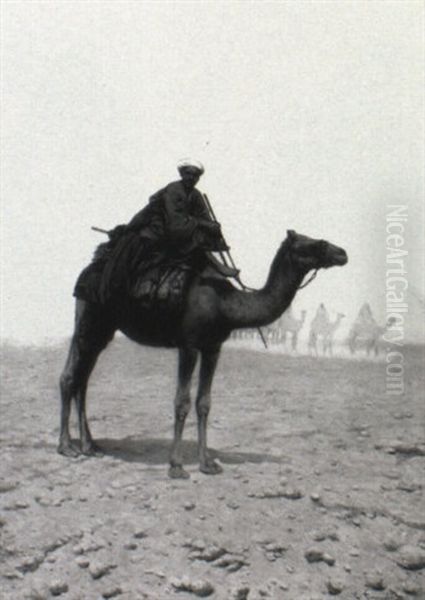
{"points": [[307, 115]]}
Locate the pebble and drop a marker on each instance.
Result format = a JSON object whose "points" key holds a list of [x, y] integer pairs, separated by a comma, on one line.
{"points": [[391, 542], [82, 562], [58, 587], [98, 570], [130, 546], [335, 586], [196, 544], [320, 536], [30, 563], [280, 584], [189, 505], [112, 592], [140, 534], [315, 554], [292, 493], [88, 544], [210, 553], [274, 551], [411, 558], [412, 589], [240, 593], [375, 581], [406, 485], [315, 497], [200, 588], [51, 558]]}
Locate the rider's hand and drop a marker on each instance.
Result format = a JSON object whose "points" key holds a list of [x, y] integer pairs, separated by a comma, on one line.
{"points": [[212, 227]]}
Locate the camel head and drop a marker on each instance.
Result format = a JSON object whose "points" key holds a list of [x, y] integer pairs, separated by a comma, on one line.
{"points": [[314, 254]]}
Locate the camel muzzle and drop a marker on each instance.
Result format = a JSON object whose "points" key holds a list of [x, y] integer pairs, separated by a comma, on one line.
{"points": [[335, 257], [340, 258]]}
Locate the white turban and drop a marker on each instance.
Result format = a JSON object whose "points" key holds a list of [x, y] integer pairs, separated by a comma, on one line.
{"points": [[188, 162]]}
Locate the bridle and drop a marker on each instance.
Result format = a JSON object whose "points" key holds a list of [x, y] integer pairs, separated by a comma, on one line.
{"points": [[309, 280], [322, 253]]}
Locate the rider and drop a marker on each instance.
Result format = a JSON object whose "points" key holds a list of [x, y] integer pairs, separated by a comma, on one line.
{"points": [[176, 225]]}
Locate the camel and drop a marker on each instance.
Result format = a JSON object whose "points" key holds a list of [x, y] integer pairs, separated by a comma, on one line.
{"points": [[288, 324], [366, 331], [332, 327], [212, 309], [318, 328]]}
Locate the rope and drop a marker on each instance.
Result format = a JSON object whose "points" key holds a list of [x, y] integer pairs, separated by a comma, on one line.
{"points": [[309, 280]]}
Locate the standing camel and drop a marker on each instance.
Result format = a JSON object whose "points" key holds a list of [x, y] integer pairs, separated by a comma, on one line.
{"points": [[318, 328], [365, 331], [289, 324], [212, 309], [332, 327]]}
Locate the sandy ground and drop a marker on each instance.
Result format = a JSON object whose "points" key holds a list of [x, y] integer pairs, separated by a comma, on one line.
{"points": [[321, 495]]}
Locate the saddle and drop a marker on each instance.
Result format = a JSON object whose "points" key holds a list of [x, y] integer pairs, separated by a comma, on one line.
{"points": [[159, 281], [163, 286]]}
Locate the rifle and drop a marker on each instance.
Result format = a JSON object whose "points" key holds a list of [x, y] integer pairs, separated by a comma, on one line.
{"points": [[227, 259]]}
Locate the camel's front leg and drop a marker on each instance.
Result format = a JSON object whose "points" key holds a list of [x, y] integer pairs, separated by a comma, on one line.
{"points": [[203, 402], [187, 362]]}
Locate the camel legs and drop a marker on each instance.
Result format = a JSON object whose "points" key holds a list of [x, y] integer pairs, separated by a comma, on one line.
{"points": [[352, 343], [93, 331], [312, 343], [203, 403], [187, 362]]}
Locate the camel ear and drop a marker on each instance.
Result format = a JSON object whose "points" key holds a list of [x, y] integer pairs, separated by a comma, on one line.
{"points": [[291, 234]]}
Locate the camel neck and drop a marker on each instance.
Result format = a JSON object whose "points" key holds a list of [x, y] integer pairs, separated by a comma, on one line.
{"points": [[261, 307]]}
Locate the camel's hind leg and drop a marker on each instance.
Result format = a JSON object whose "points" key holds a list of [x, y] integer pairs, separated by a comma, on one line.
{"points": [[94, 328], [187, 362], [203, 403]]}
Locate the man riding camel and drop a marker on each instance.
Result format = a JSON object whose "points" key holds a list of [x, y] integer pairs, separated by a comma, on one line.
{"points": [[175, 227]]}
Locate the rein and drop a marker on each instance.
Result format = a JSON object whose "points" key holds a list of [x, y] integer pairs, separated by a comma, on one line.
{"points": [[313, 276]]}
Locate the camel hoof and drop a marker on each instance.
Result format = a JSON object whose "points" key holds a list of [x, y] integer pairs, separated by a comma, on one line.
{"points": [[177, 472], [68, 450], [211, 468], [93, 450]]}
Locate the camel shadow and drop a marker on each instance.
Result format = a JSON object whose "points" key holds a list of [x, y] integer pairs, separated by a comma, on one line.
{"points": [[155, 451]]}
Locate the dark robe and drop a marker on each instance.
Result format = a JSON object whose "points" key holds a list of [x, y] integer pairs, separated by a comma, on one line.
{"points": [[175, 227]]}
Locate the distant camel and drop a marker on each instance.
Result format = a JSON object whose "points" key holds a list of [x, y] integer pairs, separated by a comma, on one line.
{"points": [[211, 310], [318, 328], [332, 327], [289, 324], [365, 331]]}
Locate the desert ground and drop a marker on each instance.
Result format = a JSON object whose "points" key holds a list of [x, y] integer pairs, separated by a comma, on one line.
{"points": [[321, 493]]}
